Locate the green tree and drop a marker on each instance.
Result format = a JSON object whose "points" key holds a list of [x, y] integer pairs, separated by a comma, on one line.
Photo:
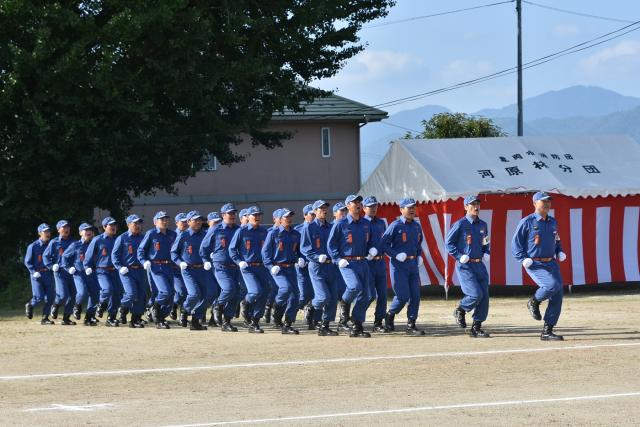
{"points": [[102, 100], [457, 125]]}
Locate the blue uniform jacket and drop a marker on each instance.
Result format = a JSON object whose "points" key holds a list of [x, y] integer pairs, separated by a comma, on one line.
{"points": [[468, 237], [402, 236], [349, 238], [314, 239], [536, 237], [246, 244], [98, 253], [186, 248], [33, 259], [215, 245], [55, 249], [125, 250], [74, 255], [282, 246], [156, 246]]}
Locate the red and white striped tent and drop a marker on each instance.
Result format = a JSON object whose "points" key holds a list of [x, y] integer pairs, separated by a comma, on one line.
{"points": [[596, 186]]}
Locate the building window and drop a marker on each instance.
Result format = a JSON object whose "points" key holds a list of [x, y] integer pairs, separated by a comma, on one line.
{"points": [[210, 163], [326, 142]]}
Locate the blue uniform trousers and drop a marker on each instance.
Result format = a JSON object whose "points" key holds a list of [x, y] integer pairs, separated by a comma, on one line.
{"points": [[198, 282], [356, 279], [65, 290], [87, 290], [547, 277], [474, 281], [228, 277], [288, 294], [305, 286], [405, 281], [110, 289], [43, 290], [258, 282], [378, 286], [324, 278], [134, 284], [162, 278]]}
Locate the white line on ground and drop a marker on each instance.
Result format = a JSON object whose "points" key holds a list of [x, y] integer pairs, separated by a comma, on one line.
{"points": [[309, 362], [71, 408], [416, 409]]}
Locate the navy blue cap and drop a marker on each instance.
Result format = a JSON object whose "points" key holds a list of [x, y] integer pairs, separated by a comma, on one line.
{"points": [[181, 217], [541, 195], [307, 208], [352, 198], [228, 208], [160, 215], [244, 212], [254, 210], [284, 212], [193, 215], [108, 220], [133, 218], [318, 204], [407, 202], [213, 216], [43, 227], [470, 199], [84, 226], [370, 201], [276, 213], [61, 223], [338, 207]]}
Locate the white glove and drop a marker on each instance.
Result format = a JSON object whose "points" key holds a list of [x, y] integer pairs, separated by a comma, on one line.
{"points": [[562, 256], [486, 257], [369, 257], [147, 265], [373, 252], [123, 270], [243, 265], [527, 262], [183, 265], [401, 257], [275, 269], [72, 270], [464, 259], [207, 265], [55, 267], [36, 275], [88, 271], [343, 263], [322, 258], [301, 262]]}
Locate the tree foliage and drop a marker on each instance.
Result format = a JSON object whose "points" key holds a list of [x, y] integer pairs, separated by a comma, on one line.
{"points": [[457, 125], [101, 100]]}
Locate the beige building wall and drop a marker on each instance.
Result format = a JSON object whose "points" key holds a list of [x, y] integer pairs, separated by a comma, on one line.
{"points": [[290, 176]]}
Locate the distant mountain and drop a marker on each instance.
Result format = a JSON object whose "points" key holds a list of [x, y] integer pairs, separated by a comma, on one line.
{"points": [[575, 101], [577, 110]]}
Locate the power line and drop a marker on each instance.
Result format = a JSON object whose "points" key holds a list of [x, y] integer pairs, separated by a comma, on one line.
{"points": [[530, 64], [398, 126], [572, 12], [449, 12]]}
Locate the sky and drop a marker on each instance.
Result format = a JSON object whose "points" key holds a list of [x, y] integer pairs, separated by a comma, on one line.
{"points": [[424, 54]]}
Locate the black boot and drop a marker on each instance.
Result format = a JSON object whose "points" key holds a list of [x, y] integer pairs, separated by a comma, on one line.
{"points": [[412, 329], [254, 327], [357, 331], [458, 315], [184, 318], [174, 312], [213, 323], [309, 311], [345, 310], [534, 308], [476, 330], [54, 311], [66, 320], [548, 335], [45, 321], [135, 321], [245, 308], [101, 308], [267, 313], [28, 310], [377, 325], [196, 325], [122, 315], [89, 321], [112, 322], [388, 322], [77, 311], [217, 314], [325, 331], [287, 328], [227, 326], [278, 312]]}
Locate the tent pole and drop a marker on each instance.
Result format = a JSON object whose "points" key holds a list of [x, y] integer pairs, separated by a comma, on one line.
{"points": [[446, 292]]}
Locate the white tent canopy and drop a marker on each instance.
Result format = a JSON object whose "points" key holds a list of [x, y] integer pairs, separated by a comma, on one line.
{"points": [[443, 169]]}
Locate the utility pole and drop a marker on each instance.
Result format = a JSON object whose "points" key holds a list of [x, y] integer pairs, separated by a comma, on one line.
{"points": [[520, 115]]}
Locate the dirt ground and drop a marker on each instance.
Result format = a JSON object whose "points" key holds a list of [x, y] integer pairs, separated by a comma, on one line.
{"points": [[62, 376]]}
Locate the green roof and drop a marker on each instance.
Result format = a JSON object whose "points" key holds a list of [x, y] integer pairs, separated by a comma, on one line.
{"points": [[333, 107]]}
